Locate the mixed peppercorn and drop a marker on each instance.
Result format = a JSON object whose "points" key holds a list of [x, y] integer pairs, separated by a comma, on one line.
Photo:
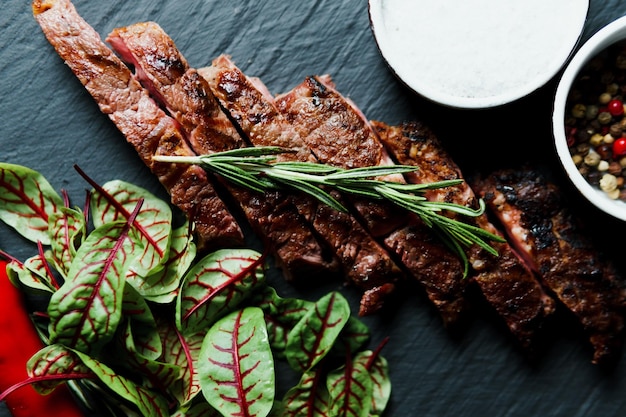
{"points": [[596, 124]]}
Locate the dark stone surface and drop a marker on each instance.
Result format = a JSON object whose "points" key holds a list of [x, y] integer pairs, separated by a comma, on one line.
{"points": [[49, 123]]}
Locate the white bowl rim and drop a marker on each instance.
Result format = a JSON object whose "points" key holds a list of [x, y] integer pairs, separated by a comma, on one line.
{"points": [[460, 102], [603, 38]]}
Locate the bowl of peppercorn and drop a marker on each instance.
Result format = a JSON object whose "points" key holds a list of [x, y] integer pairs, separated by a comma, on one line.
{"points": [[589, 120]]}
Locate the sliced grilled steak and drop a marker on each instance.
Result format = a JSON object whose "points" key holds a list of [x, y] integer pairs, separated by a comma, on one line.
{"points": [[163, 70], [506, 282], [366, 264], [536, 217], [120, 96], [339, 135]]}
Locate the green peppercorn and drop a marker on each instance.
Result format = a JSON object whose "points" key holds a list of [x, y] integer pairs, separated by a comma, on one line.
{"points": [[591, 111], [613, 89], [604, 117], [579, 110], [604, 98]]}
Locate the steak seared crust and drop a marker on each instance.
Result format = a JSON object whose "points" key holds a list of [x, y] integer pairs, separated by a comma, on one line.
{"points": [[164, 71], [506, 283], [364, 262], [537, 219], [338, 133], [146, 127]]}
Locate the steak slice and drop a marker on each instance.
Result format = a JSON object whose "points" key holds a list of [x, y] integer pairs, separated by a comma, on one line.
{"points": [[163, 70], [365, 263], [536, 217], [146, 127], [506, 282], [339, 135]]}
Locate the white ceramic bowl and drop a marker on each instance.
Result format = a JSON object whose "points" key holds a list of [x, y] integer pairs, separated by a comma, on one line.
{"points": [[479, 53], [608, 35]]}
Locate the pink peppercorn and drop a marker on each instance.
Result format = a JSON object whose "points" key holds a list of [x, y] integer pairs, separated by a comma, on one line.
{"points": [[615, 107], [619, 147]]}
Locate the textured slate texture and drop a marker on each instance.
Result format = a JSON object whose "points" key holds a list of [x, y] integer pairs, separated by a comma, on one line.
{"points": [[49, 123]]}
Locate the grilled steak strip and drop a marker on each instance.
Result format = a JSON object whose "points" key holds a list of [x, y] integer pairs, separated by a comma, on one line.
{"points": [[146, 127], [365, 263], [536, 217], [508, 285], [163, 70], [338, 133]]}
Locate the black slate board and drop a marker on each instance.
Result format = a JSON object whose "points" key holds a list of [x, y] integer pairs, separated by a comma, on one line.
{"points": [[49, 123]]}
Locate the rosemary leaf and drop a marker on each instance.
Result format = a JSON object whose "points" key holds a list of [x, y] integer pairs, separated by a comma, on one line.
{"points": [[369, 172], [256, 169], [313, 191]]}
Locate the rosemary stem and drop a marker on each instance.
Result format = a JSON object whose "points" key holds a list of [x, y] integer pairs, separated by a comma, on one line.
{"points": [[256, 169]]}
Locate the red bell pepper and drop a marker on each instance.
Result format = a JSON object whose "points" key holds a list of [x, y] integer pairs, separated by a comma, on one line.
{"points": [[18, 342]]}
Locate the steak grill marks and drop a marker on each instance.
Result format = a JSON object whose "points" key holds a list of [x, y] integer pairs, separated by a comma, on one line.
{"points": [[339, 135], [538, 221], [365, 263], [506, 282], [146, 127], [187, 96]]}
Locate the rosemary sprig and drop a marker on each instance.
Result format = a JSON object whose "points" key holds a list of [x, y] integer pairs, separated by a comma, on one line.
{"points": [[255, 168]]}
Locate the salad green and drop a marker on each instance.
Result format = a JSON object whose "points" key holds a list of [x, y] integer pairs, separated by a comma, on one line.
{"points": [[133, 313]]}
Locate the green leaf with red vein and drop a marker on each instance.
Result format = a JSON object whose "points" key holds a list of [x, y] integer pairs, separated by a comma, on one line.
{"points": [[31, 274], [26, 201], [315, 334], [381, 384], [215, 285], [350, 390], [57, 364], [115, 201], [143, 327], [68, 229], [281, 315], [162, 286], [352, 338], [183, 351], [154, 373], [201, 409], [236, 365], [309, 397], [149, 403], [85, 311]]}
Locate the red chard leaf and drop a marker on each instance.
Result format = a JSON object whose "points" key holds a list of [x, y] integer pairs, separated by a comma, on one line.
{"points": [[67, 232], [183, 351], [350, 389], [135, 309], [281, 315], [309, 398], [200, 409], [85, 311], [158, 374], [55, 361], [162, 286], [115, 200], [352, 338], [214, 286], [236, 366], [315, 334], [381, 384], [148, 403], [26, 201], [31, 275]]}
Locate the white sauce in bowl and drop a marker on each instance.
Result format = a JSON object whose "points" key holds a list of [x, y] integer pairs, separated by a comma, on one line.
{"points": [[476, 53]]}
